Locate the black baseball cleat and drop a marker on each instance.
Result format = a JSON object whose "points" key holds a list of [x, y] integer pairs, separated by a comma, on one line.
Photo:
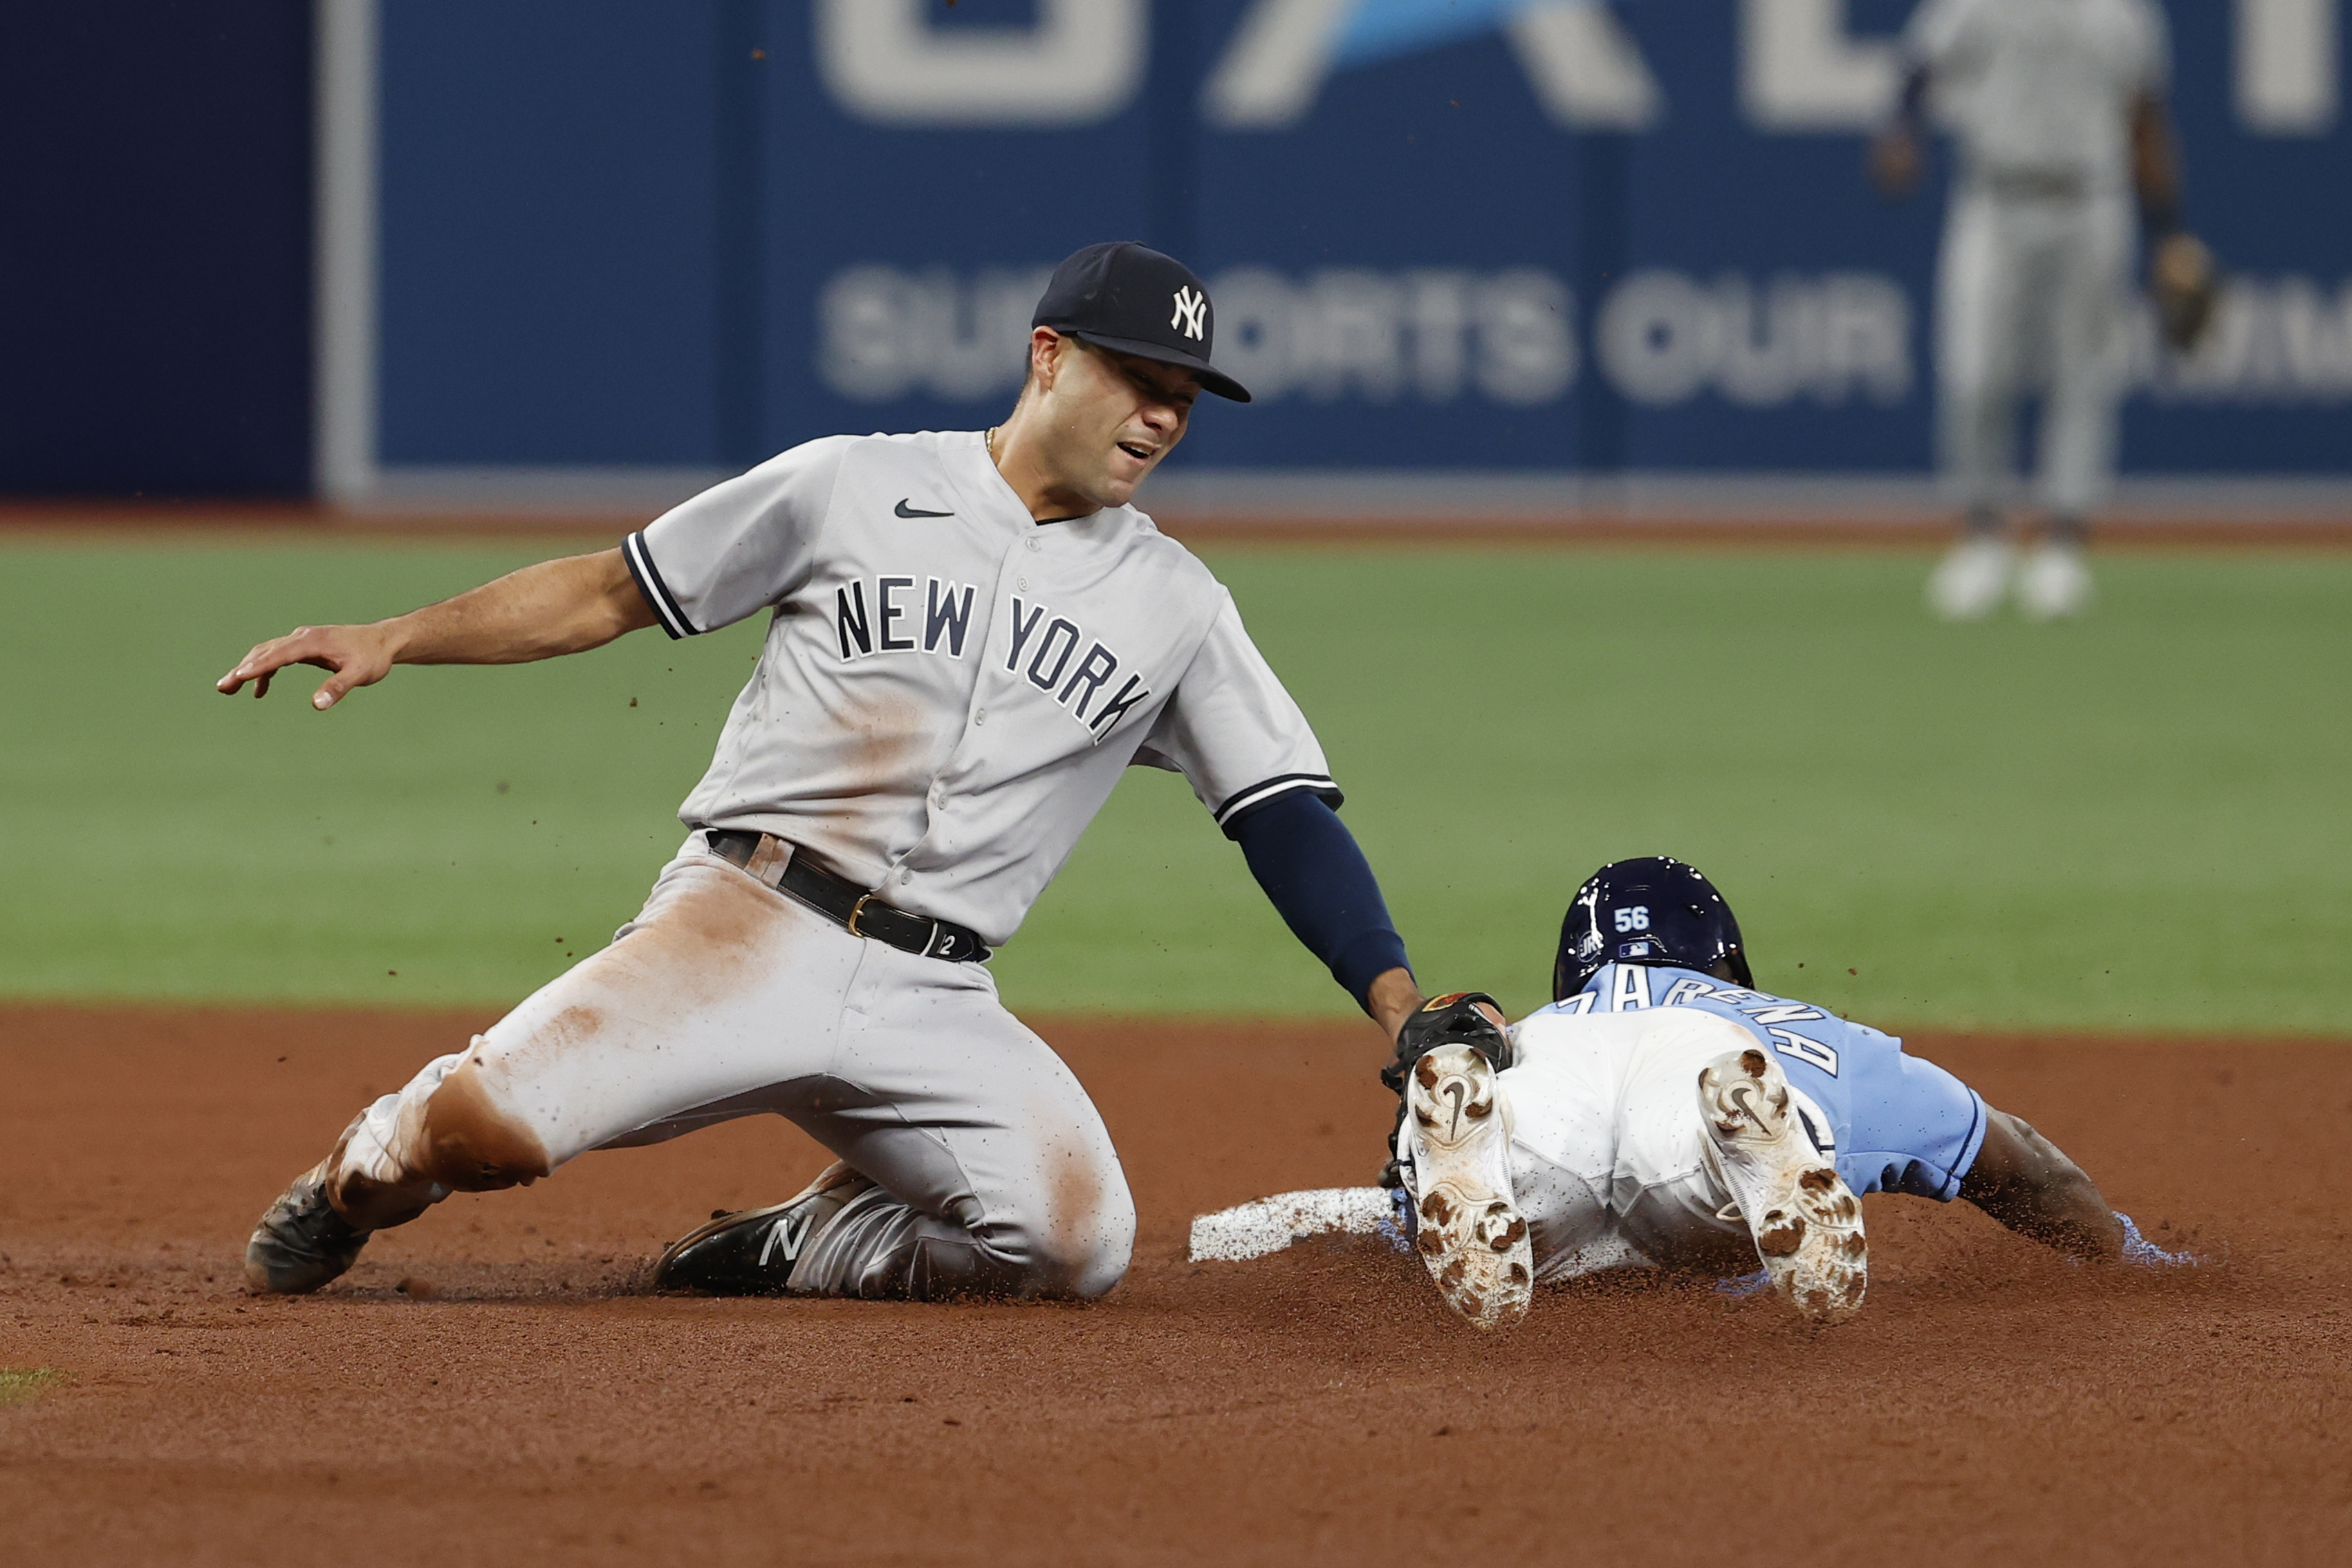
{"points": [[752, 1251], [301, 1242]]}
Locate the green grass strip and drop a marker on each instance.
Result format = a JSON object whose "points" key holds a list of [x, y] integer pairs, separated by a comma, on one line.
{"points": [[2136, 822]]}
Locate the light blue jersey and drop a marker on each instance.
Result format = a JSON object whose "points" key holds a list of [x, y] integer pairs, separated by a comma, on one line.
{"points": [[1900, 1124]]}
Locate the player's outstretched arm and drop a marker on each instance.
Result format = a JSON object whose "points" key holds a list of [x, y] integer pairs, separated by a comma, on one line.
{"points": [[2023, 1180], [563, 606], [1319, 881]]}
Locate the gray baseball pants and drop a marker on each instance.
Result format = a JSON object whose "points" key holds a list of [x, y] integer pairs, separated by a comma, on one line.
{"points": [[726, 999], [2032, 294]]}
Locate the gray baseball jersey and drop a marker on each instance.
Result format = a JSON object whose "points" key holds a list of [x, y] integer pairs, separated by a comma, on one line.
{"points": [[2043, 87], [950, 689]]}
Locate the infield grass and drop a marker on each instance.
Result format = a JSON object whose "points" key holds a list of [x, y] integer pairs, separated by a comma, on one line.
{"points": [[2138, 822]]}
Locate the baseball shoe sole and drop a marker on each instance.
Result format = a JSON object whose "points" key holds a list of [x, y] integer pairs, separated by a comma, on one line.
{"points": [[752, 1251], [301, 1242], [1467, 1228], [1806, 1220]]}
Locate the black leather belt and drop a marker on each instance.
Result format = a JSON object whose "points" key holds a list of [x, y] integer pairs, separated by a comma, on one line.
{"points": [[861, 911]]}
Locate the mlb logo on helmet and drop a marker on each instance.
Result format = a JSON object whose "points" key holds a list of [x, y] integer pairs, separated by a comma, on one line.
{"points": [[1632, 949]]}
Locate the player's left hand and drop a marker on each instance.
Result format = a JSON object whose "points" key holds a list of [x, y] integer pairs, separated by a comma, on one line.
{"points": [[357, 656]]}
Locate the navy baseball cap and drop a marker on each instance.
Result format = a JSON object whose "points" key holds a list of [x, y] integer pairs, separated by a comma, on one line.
{"points": [[1126, 297]]}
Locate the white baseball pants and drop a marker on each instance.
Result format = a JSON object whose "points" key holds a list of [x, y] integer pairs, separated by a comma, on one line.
{"points": [[1607, 1147], [725, 998], [2032, 295]]}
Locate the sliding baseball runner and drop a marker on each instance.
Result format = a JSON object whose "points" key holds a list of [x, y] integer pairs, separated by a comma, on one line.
{"points": [[1665, 1111], [971, 636]]}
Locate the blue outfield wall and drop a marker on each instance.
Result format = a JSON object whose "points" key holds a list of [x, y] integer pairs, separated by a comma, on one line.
{"points": [[1440, 234], [155, 247]]}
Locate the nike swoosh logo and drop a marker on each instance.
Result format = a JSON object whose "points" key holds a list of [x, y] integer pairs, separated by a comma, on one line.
{"points": [[905, 510]]}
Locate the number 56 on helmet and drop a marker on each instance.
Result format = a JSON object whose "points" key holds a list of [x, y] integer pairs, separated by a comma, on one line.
{"points": [[1650, 910]]}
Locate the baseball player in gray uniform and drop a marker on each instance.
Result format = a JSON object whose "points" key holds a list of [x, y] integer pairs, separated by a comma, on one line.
{"points": [[971, 636], [2059, 110]]}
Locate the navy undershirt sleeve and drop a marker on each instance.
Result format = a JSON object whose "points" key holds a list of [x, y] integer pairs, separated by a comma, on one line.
{"points": [[1320, 881]]}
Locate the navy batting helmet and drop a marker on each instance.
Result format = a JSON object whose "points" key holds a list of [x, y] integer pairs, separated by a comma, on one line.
{"points": [[1652, 910]]}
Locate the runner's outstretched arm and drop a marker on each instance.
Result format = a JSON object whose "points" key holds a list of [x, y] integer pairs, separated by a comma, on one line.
{"points": [[2023, 1180]]}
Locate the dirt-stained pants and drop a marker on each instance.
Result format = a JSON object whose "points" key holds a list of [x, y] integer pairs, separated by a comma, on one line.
{"points": [[725, 998]]}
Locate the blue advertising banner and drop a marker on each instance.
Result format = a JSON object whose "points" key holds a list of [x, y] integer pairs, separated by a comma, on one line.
{"points": [[1498, 234]]}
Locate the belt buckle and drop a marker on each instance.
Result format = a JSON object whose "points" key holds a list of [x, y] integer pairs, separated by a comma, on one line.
{"points": [[857, 909]]}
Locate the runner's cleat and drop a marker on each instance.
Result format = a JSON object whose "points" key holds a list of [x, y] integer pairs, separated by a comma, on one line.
{"points": [[752, 1251], [1455, 1146], [301, 1242], [1806, 1220]]}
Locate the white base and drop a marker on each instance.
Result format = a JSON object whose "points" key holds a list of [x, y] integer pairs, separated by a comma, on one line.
{"points": [[1271, 1224]]}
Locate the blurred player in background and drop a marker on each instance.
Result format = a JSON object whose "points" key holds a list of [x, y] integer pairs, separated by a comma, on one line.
{"points": [[2058, 106]]}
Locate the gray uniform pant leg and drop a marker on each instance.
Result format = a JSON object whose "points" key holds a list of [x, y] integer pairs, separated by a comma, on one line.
{"points": [[724, 998], [2032, 294], [1979, 293], [2082, 399]]}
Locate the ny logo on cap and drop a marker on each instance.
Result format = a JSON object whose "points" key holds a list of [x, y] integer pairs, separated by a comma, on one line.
{"points": [[1192, 306]]}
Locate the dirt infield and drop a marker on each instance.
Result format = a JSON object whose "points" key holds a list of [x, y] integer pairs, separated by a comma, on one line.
{"points": [[491, 1386]]}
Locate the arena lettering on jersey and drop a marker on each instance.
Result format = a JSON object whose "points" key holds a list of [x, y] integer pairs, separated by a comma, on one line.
{"points": [[885, 623], [1042, 647], [1630, 990], [1805, 1049]]}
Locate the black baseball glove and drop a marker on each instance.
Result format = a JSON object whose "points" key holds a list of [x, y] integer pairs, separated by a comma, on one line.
{"points": [[2185, 286]]}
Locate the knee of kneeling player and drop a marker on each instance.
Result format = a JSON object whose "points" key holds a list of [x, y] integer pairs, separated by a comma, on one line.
{"points": [[1077, 1243], [474, 1143]]}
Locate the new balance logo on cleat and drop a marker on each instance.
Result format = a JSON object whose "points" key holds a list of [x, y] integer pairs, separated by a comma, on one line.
{"points": [[783, 1246], [752, 1251]]}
